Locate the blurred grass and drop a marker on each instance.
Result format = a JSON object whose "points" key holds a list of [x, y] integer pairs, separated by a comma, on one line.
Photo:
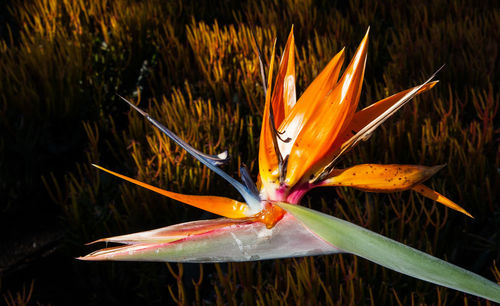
{"points": [[192, 66]]}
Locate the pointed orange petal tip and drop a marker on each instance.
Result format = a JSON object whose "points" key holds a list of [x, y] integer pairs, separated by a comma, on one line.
{"points": [[432, 84], [436, 196], [364, 43], [283, 95]]}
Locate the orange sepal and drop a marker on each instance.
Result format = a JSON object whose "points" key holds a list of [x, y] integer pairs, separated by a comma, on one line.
{"points": [[370, 113], [268, 161], [310, 100], [283, 96], [436, 196], [380, 178], [313, 147], [218, 205]]}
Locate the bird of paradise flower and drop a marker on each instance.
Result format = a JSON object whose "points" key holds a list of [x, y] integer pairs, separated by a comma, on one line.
{"points": [[300, 145]]}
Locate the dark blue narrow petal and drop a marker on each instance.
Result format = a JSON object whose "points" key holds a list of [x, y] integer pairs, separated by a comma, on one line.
{"points": [[219, 159], [211, 161], [247, 180]]}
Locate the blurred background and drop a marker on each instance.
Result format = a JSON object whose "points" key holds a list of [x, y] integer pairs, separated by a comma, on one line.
{"points": [[192, 66]]}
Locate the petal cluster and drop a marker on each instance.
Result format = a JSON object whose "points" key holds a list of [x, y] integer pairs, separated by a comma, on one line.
{"points": [[301, 142]]}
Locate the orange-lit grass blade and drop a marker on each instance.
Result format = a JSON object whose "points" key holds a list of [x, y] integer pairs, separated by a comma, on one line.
{"points": [[436, 196], [389, 178], [219, 240], [313, 147], [218, 205]]}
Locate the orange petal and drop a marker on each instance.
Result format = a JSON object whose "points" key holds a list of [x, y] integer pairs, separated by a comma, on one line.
{"points": [[436, 196], [308, 103], [366, 130], [370, 113], [283, 97], [218, 205], [313, 147], [268, 161], [380, 178]]}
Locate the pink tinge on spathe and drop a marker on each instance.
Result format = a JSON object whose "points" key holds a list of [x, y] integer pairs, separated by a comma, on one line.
{"points": [[233, 242]]}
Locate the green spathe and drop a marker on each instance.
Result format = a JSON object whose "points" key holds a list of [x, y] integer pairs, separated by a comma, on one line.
{"points": [[392, 254]]}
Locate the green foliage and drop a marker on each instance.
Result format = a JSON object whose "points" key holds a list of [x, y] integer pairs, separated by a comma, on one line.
{"points": [[391, 254], [192, 66]]}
